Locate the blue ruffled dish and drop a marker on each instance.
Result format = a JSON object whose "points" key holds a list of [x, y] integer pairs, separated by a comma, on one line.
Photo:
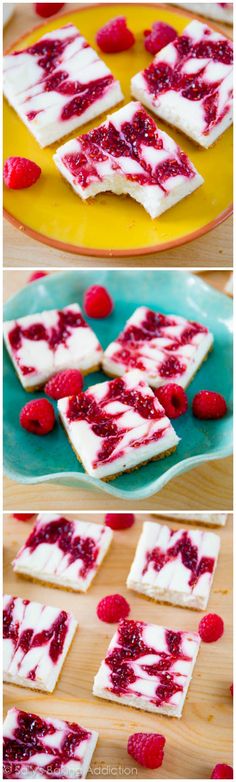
{"points": [[31, 459]]}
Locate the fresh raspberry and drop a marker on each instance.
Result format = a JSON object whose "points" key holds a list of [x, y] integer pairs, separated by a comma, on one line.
{"points": [[64, 383], [38, 416], [173, 398], [119, 520], [97, 302], [112, 608], [222, 771], [47, 9], [159, 36], [209, 404], [115, 36], [147, 749], [211, 628], [36, 276], [23, 516], [232, 690], [19, 172]]}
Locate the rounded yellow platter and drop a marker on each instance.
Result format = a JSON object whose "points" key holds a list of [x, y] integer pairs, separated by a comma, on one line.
{"points": [[112, 225]]}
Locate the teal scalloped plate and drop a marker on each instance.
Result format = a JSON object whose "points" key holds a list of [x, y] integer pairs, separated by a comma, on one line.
{"points": [[31, 459]]}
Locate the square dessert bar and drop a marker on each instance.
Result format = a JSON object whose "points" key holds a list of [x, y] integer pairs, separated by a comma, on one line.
{"points": [[36, 639], [42, 344], [175, 566], [164, 347], [149, 667], [129, 155], [62, 552], [58, 84], [223, 12], [45, 747], [116, 426], [189, 84], [209, 519]]}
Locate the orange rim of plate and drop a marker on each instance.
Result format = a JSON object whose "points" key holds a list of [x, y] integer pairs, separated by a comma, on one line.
{"points": [[99, 253]]}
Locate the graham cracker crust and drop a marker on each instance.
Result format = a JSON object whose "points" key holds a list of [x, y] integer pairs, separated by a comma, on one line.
{"points": [[131, 469], [142, 464]]}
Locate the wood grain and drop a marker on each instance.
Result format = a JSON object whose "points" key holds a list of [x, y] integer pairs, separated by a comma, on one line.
{"points": [[203, 736], [208, 487], [19, 250]]}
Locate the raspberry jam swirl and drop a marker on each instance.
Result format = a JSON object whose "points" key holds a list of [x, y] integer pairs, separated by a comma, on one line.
{"points": [[33, 737], [131, 140], [107, 426], [197, 566], [131, 647], [53, 638], [62, 533], [130, 345], [67, 321], [161, 76]]}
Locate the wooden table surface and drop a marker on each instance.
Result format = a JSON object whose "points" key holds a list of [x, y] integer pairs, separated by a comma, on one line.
{"points": [[196, 742], [19, 250], [209, 487]]}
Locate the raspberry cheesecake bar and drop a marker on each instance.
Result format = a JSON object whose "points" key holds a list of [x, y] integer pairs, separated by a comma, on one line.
{"points": [[164, 347], [58, 84], [36, 639], [129, 155], [42, 344], [63, 553], [209, 519], [222, 12], [175, 566], [116, 426], [149, 667], [189, 84], [45, 747]]}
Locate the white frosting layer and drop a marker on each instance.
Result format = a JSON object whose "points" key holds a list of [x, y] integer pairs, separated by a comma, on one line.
{"points": [[55, 98], [36, 360], [25, 661], [176, 105], [222, 12], [143, 671], [156, 346], [62, 739], [130, 436], [73, 565], [180, 578], [123, 171]]}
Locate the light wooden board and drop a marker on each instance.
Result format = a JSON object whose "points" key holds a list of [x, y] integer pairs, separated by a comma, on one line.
{"points": [[203, 736], [208, 487], [19, 250]]}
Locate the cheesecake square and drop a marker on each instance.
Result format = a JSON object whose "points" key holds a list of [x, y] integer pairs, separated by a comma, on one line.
{"points": [[36, 639], [175, 566], [166, 348], [58, 84], [129, 155], [45, 747], [189, 84], [221, 12], [63, 553], [116, 426], [209, 519], [148, 667], [42, 344]]}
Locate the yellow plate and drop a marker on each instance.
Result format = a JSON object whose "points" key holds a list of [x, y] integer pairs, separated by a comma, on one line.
{"points": [[111, 225]]}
